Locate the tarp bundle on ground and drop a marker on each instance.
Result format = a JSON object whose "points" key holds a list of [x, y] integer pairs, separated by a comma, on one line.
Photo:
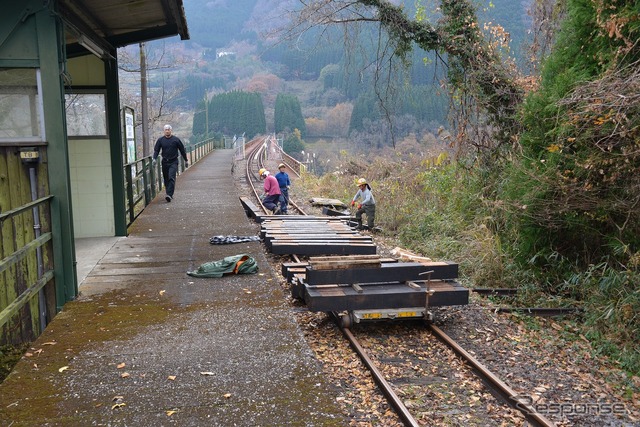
{"points": [[225, 240], [235, 264]]}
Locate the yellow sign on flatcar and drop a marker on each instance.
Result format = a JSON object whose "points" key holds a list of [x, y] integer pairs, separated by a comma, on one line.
{"points": [[372, 315], [407, 314]]}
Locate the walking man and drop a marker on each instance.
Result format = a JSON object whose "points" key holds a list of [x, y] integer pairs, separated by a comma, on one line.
{"points": [[172, 148]]}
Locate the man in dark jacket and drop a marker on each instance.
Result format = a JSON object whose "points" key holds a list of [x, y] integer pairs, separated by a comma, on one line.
{"points": [[284, 183], [171, 147]]}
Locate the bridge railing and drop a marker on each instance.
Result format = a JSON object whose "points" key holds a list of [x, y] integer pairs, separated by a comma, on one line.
{"points": [[293, 164], [143, 181]]}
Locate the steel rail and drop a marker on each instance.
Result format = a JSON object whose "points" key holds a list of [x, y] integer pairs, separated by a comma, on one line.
{"points": [[382, 383], [290, 160], [385, 387], [509, 395], [540, 311], [291, 202], [254, 159], [495, 291]]}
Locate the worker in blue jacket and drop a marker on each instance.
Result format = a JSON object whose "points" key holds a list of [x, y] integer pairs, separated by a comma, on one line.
{"points": [[285, 184]]}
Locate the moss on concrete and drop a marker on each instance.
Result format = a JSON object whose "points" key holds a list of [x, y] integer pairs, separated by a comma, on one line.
{"points": [[108, 318]]}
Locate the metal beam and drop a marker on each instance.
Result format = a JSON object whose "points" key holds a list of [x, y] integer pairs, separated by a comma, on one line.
{"points": [[401, 272], [79, 27], [383, 296], [17, 16]]}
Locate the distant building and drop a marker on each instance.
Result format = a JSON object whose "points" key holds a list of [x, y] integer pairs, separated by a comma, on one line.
{"points": [[221, 53]]}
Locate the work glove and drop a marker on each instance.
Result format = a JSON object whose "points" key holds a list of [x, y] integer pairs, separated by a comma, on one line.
{"points": [[154, 163], [186, 165], [353, 203], [360, 206]]}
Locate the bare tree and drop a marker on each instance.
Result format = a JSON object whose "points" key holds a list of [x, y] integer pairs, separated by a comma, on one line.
{"points": [[476, 73], [151, 106]]}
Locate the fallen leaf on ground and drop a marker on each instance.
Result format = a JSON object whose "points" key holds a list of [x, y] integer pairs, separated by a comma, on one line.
{"points": [[227, 395], [171, 377], [125, 375], [162, 292], [121, 365], [64, 368], [171, 412], [207, 373], [118, 405]]}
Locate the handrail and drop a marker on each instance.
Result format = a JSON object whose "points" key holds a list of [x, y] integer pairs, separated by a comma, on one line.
{"points": [[8, 214], [143, 181], [24, 297], [21, 254], [294, 164]]}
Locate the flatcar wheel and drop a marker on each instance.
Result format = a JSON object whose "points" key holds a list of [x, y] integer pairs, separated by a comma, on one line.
{"points": [[345, 320]]}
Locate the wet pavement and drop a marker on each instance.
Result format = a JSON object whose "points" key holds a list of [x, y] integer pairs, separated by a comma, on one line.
{"points": [[147, 345]]}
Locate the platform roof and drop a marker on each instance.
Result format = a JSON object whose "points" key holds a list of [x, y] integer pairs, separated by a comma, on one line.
{"points": [[115, 23]]}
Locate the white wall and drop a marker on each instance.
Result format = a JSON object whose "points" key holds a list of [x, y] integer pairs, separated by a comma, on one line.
{"points": [[91, 187]]}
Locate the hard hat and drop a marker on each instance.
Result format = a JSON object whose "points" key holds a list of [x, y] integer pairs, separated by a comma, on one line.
{"points": [[282, 165], [362, 181], [262, 171]]}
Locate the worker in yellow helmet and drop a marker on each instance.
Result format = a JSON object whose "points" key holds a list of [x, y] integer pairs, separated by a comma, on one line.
{"points": [[366, 205], [285, 183]]}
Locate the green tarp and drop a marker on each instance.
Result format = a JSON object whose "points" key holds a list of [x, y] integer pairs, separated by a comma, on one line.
{"points": [[236, 264]]}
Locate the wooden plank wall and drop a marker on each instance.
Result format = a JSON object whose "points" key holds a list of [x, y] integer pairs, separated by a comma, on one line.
{"points": [[15, 191]]}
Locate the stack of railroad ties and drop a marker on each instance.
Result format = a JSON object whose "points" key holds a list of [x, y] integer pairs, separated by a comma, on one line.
{"points": [[343, 273]]}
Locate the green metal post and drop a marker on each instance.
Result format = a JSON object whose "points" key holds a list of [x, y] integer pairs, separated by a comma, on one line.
{"points": [[50, 40], [116, 145], [129, 192]]}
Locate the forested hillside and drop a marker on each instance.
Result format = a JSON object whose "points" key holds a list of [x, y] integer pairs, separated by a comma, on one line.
{"points": [[239, 50]]}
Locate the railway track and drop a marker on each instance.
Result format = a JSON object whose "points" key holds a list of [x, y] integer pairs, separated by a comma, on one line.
{"points": [[262, 154], [434, 367], [419, 369]]}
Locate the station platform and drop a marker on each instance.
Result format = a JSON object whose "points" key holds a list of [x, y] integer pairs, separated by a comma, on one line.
{"points": [[147, 345]]}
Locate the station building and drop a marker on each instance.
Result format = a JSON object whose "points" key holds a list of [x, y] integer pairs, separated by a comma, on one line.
{"points": [[61, 142]]}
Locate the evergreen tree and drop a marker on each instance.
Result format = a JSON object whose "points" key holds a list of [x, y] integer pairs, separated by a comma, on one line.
{"points": [[232, 113], [294, 145], [288, 114]]}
